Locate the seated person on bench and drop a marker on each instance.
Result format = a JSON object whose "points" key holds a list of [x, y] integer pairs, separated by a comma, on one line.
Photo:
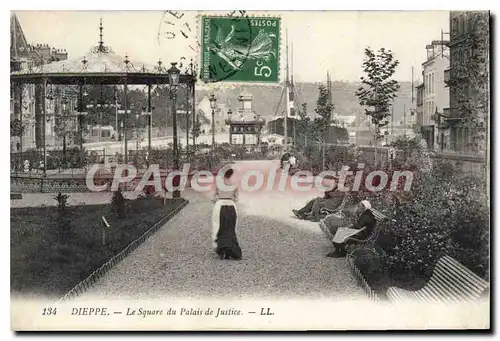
{"points": [[284, 159], [331, 201], [341, 235]]}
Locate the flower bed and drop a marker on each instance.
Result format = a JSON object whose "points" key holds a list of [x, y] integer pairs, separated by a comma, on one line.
{"points": [[49, 258]]}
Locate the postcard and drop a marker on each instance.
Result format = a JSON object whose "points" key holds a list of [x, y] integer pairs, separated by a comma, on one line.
{"points": [[197, 170]]}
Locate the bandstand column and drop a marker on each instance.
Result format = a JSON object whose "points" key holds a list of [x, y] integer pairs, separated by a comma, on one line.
{"points": [[44, 125], [188, 92], [20, 151], [193, 101], [150, 121], [125, 121], [80, 121]]}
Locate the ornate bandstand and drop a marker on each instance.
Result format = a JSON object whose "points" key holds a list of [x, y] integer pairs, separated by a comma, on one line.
{"points": [[245, 122], [101, 66]]}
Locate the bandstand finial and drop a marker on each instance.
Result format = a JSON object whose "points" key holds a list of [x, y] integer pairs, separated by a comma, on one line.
{"points": [[100, 48], [101, 43]]}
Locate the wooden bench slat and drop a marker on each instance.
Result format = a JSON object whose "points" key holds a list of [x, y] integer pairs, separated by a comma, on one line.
{"points": [[451, 292], [458, 278], [458, 290], [432, 293], [422, 296], [455, 285], [472, 277], [397, 294], [480, 283], [432, 298], [440, 288], [451, 282]]}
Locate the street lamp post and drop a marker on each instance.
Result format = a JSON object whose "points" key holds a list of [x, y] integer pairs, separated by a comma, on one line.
{"points": [[64, 124], [115, 98], [188, 92], [119, 137], [81, 114], [148, 114], [213, 106], [173, 77], [228, 122], [150, 121], [122, 126]]}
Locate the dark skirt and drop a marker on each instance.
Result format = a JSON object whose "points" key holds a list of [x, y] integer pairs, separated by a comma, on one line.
{"points": [[227, 243]]}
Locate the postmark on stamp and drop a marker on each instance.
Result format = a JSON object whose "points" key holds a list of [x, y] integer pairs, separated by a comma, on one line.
{"points": [[240, 49]]}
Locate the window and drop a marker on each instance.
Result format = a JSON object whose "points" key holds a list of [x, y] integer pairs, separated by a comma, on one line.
{"points": [[105, 133], [454, 26]]}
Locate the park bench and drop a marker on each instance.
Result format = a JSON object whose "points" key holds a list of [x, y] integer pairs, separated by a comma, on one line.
{"points": [[338, 210], [379, 217], [451, 282]]}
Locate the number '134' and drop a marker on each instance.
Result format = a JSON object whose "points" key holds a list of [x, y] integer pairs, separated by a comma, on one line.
{"points": [[261, 70]]}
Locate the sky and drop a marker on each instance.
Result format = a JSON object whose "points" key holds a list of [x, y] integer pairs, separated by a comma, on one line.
{"points": [[322, 40]]}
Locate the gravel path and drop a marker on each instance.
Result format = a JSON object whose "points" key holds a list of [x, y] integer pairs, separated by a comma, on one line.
{"points": [[282, 257]]}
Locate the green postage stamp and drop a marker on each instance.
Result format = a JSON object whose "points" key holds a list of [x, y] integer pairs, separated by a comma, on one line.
{"points": [[240, 49]]}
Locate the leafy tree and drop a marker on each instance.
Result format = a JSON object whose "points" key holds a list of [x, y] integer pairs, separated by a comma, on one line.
{"points": [[310, 133], [324, 111], [378, 89]]}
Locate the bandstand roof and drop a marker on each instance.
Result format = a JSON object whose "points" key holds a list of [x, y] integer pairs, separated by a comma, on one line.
{"points": [[99, 66], [246, 117]]}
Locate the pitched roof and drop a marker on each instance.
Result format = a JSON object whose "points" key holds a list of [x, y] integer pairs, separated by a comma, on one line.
{"points": [[245, 117], [19, 47]]}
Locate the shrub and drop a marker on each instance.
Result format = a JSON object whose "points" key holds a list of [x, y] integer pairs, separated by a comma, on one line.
{"points": [[118, 203], [62, 201], [371, 264], [440, 216], [63, 220]]}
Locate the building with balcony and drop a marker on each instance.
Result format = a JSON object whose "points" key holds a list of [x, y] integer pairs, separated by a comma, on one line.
{"points": [[434, 93], [468, 81], [419, 110]]}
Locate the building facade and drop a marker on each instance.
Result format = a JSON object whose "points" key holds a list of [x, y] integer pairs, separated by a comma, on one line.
{"points": [[27, 100], [468, 81], [419, 110], [435, 96]]}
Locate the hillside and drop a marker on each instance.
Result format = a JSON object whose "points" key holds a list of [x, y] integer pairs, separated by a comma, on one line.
{"points": [[266, 98]]}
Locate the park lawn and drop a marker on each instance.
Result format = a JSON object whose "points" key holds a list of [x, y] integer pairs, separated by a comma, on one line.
{"points": [[45, 264]]}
